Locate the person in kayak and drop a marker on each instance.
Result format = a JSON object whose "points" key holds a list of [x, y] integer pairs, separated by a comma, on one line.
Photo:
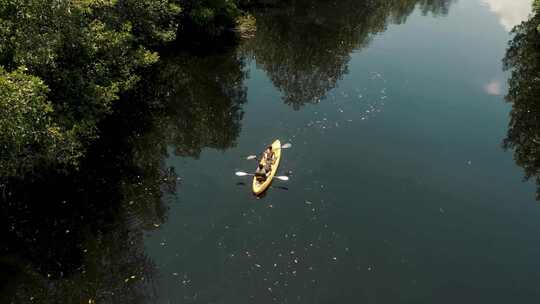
{"points": [[268, 157], [261, 173]]}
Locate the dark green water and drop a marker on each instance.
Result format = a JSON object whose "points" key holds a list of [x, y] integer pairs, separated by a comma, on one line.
{"points": [[400, 189]]}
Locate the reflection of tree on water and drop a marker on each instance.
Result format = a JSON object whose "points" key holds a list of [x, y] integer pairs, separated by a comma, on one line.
{"points": [[199, 100], [71, 236], [305, 46], [523, 58]]}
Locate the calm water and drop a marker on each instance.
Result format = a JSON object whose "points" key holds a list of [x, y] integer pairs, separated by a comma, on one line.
{"points": [[400, 189]]}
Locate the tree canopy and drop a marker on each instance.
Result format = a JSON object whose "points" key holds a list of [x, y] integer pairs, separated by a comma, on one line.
{"points": [[65, 63], [523, 59]]}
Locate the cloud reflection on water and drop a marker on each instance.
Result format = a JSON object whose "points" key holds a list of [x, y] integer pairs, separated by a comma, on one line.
{"points": [[510, 12]]}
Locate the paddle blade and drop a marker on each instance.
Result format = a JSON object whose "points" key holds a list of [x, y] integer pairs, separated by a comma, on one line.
{"points": [[286, 146], [240, 173], [283, 178], [251, 157]]}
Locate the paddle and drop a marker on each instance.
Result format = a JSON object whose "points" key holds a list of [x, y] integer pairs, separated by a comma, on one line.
{"points": [[240, 173], [284, 146]]}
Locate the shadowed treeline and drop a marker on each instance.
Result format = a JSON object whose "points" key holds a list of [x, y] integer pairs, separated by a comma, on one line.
{"points": [[305, 46]]}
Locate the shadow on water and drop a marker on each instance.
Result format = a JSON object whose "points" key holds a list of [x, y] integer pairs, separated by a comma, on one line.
{"points": [[305, 47], [71, 236], [523, 59]]}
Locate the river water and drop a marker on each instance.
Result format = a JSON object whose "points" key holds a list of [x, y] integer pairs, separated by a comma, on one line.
{"points": [[400, 190]]}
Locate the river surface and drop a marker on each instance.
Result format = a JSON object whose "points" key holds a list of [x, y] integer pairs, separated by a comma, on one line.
{"points": [[400, 190]]}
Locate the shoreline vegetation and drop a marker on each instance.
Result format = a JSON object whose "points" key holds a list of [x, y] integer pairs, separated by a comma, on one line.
{"points": [[65, 64], [523, 61]]}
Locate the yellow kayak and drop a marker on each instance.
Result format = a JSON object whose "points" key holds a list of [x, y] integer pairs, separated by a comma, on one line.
{"points": [[259, 187]]}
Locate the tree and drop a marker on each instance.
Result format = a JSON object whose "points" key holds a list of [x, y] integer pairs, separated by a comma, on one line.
{"points": [[29, 134], [523, 59], [86, 53]]}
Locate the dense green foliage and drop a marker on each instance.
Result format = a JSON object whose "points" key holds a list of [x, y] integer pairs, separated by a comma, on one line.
{"points": [[523, 59], [28, 131], [81, 55], [74, 60]]}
